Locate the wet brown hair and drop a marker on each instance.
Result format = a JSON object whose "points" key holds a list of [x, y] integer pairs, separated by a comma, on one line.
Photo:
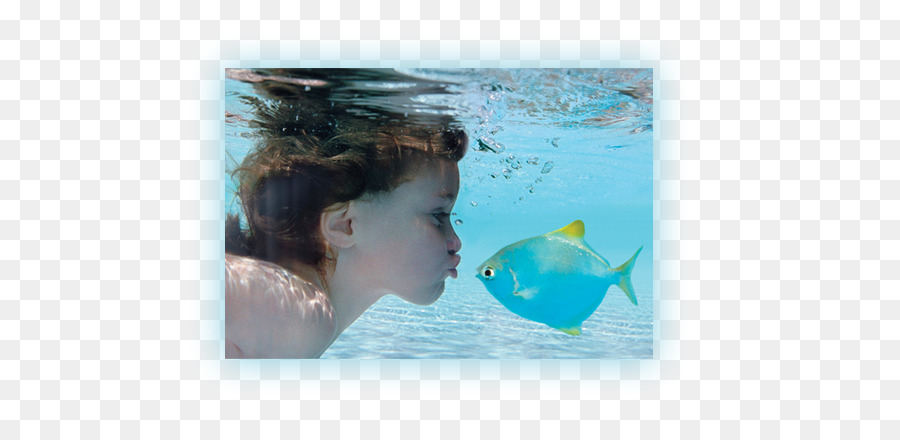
{"points": [[287, 182]]}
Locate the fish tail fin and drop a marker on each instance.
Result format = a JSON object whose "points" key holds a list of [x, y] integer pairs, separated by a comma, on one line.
{"points": [[625, 276]]}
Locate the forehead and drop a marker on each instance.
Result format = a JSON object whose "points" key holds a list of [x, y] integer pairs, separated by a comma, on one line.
{"points": [[438, 179], [433, 184]]}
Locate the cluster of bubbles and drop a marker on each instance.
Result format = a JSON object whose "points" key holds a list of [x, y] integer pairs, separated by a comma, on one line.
{"points": [[501, 98], [511, 164], [489, 113], [512, 167]]}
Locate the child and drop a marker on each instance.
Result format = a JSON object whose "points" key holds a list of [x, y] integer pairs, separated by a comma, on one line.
{"points": [[335, 225]]}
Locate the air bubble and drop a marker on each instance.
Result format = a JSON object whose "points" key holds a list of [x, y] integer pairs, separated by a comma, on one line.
{"points": [[458, 222], [532, 160], [488, 144], [640, 129], [547, 167], [474, 203]]}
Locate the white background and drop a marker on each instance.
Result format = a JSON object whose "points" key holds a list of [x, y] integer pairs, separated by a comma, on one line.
{"points": [[777, 207]]}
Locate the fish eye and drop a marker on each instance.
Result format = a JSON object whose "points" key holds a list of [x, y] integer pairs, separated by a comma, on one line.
{"points": [[488, 272]]}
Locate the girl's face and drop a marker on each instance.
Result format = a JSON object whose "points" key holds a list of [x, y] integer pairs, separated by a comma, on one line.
{"points": [[405, 240]]}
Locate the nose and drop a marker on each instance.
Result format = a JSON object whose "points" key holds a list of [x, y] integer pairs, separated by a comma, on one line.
{"points": [[454, 244]]}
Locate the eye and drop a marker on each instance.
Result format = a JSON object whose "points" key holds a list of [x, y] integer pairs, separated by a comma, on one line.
{"points": [[440, 217], [487, 272]]}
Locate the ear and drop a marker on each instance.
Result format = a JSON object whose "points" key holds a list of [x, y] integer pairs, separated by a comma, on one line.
{"points": [[336, 225]]}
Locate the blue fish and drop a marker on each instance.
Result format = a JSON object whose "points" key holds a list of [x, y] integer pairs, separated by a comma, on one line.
{"points": [[555, 279]]}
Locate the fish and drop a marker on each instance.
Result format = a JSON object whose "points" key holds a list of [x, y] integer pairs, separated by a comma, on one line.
{"points": [[555, 279]]}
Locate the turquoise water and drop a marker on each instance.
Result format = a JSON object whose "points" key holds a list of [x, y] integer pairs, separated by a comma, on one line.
{"points": [[547, 147]]}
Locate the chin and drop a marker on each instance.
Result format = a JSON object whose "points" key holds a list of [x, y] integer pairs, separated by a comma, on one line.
{"points": [[426, 297]]}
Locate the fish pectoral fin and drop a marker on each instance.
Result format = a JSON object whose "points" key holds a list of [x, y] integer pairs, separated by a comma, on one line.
{"points": [[574, 331]]}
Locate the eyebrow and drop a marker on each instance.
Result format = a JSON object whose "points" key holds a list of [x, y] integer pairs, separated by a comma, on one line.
{"points": [[445, 194]]}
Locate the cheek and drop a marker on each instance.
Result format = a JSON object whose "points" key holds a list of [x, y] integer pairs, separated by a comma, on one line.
{"points": [[427, 241], [409, 252], [425, 246]]}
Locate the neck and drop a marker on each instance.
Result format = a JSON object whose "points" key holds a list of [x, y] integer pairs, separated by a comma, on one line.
{"points": [[349, 296]]}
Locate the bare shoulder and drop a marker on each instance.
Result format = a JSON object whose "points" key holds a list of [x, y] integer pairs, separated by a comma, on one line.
{"points": [[272, 313]]}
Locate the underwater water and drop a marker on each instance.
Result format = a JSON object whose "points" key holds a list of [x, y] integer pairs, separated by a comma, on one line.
{"points": [[547, 147]]}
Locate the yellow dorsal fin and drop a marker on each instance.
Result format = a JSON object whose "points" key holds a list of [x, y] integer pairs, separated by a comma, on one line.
{"points": [[574, 230]]}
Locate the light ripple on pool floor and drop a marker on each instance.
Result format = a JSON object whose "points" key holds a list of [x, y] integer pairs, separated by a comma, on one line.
{"points": [[473, 327]]}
